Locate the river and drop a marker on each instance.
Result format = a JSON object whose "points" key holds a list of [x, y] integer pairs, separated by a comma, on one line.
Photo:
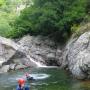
{"points": [[46, 79]]}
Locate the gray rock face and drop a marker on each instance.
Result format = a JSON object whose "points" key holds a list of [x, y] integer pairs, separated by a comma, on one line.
{"points": [[42, 49], [29, 51], [12, 66], [4, 68], [5, 52], [77, 56], [14, 54]]}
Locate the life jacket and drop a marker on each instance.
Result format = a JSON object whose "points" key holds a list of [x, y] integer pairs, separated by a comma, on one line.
{"points": [[25, 88]]}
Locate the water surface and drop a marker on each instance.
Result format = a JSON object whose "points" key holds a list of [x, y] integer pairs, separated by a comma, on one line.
{"points": [[46, 79]]}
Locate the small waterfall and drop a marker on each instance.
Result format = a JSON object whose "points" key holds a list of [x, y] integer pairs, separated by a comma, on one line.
{"points": [[20, 48], [25, 51], [38, 64]]}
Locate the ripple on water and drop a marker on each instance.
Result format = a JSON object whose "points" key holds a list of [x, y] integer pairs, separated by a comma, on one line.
{"points": [[35, 76], [46, 79]]}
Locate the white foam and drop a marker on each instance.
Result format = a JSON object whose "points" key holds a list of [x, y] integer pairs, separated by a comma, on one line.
{"points": [[35, 76], [39, 76]]}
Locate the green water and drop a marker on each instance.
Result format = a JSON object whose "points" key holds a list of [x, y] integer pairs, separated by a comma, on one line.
{"points": [[47, 79]]}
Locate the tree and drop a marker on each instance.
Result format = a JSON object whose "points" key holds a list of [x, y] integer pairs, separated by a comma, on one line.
{"points": [[50, 16], [2, 2]]}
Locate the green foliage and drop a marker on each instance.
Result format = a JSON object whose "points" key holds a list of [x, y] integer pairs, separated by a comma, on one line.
{"points": [[88, 6], [5, 19], [47, 17], [2, 2], [8, 15], [51, 16], [4, 27]]}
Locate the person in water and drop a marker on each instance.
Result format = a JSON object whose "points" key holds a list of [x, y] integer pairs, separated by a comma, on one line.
{"points": [[21, 85], [29, 77]]}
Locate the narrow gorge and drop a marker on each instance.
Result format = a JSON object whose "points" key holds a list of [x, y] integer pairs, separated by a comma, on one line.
{"points": [[39, 51]]}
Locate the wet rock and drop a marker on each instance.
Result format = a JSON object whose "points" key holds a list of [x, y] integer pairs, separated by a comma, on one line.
{"points": [[20, 66], [12, 66], [29, 51], [42, 49], [4, 69]]}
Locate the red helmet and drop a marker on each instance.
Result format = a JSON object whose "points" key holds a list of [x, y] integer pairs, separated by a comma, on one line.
{"points": [[21, 81]]}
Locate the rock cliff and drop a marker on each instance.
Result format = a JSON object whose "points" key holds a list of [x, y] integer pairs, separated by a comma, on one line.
{"points": [[40, 51], [77, 56], [30, 51]]}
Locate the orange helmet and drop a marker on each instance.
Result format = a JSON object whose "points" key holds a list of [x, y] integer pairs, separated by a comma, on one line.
{"points": [[21, 81]]}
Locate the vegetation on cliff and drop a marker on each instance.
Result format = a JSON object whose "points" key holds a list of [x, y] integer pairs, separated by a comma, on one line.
{"points": [[57, 18], [9, 10]]}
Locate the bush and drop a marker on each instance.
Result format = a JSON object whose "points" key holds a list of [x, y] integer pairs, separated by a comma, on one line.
{"points": [[4, 25], [50, 16]]}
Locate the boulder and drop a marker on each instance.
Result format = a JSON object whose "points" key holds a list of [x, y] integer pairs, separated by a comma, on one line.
{"points": [[42, 49], [20, 66], [12, 52], [77, 56], [12, 66], [4, 69], [29, 51]]}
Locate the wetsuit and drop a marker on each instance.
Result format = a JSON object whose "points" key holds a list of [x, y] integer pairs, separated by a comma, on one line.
{"points": [[29, 78], [25, 88]]}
